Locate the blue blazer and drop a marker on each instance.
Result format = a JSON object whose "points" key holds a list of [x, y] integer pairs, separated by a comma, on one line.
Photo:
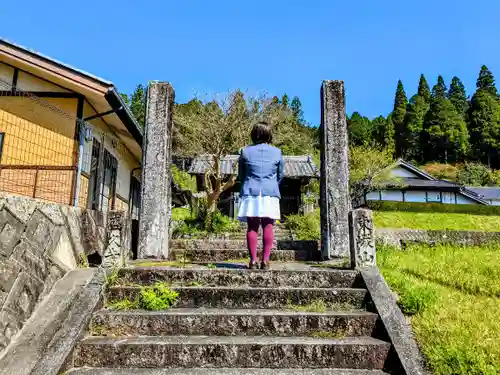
{"points": [[260, 170]]}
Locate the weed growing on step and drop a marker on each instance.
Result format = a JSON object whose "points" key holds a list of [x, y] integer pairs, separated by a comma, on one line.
{"points": [[123, 304], [155, 297], [112, 278], [83, 261], [452, 296], [211, 265], [168, 263], [158, 297]]}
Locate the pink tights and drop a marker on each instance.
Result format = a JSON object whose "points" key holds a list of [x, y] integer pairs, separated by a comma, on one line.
{"points": [[253, 233]]}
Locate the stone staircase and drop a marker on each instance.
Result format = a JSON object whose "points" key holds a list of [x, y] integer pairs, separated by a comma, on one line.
{"points": [[234, 247], [295, 319]]}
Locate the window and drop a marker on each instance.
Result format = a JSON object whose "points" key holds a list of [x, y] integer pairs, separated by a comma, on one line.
{"points": [[103, 174], [2, 135], [93, 182], [135, 196], [109, 182]]}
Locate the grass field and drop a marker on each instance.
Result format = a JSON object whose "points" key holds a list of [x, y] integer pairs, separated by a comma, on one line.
{"points": [[436, 221], [452, 297]]}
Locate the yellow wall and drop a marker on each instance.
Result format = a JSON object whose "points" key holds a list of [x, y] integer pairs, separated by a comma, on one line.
{"points": [[36, 135]]}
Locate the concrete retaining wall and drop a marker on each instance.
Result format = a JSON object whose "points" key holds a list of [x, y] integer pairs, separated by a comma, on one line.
{"points": [[39, 243]]}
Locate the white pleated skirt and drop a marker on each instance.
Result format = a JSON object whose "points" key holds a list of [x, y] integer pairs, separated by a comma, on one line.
{"points": [[260, 206]]}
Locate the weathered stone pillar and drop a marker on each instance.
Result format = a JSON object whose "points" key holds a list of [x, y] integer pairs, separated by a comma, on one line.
{"points": [[362, 235], [334, 194], [156, 211], [118, 242]]}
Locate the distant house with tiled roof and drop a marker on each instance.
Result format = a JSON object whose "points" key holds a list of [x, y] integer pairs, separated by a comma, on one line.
{"points": [[415, 185], [488, 194], [299, 170]]}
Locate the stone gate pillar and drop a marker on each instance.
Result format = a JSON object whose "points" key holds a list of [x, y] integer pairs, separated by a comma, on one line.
{"points": [[334, 183], [156, 207]]}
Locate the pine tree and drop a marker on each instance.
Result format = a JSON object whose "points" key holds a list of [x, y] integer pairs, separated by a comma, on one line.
{"points": [[138, 104], [379, 125], [390, 136], [445, 134], [414, 124], [457, 96], [360, 130], [484, 125], [423, 89], [398, 117], [125, 99], [284, 100], [439, 90], [486, 81], [296, 107]]}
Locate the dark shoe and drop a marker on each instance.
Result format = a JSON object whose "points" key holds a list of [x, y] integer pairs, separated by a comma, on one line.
{"points": [[253, 266], [264, 266]]}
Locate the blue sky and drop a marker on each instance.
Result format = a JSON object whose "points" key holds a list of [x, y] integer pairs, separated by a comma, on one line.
{"points": [[276, 46]]}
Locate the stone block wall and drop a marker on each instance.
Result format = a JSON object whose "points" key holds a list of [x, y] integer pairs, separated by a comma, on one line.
{"points": [[39, 243], [402, 237]]}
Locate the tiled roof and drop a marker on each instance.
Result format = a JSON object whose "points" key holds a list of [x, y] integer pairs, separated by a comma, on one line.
{"points": [[486, 192], [417, 182], [295, 166]]}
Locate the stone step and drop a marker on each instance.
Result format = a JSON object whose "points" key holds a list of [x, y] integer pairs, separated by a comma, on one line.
{"points": [[316, 278], [221, 255], [236, 351], [205, 244], [245, 297], [220, 371], [237, 236], [227, 322]]}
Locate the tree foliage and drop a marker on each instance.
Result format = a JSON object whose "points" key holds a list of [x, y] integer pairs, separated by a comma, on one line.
{"points": [[398, 116], [458, 96], [368, 171], [220, 126], [445, 132]]}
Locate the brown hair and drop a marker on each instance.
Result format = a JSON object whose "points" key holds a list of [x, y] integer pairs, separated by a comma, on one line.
{"points": [[261, 133]]}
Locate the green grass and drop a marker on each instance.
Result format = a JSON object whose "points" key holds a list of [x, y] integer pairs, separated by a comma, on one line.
{"points": [[308, 227], [436, 221], [452, 297]]}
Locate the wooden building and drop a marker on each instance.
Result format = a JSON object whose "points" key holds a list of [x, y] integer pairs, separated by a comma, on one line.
{"points": [[66, 136], [299, 170], [417, 186]]}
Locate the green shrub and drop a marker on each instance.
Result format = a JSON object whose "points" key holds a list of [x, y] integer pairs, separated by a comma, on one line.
{"points": [[223, 224], [441, 171], [157, 297], [474, 209], [304, 227], [195, 227]]}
